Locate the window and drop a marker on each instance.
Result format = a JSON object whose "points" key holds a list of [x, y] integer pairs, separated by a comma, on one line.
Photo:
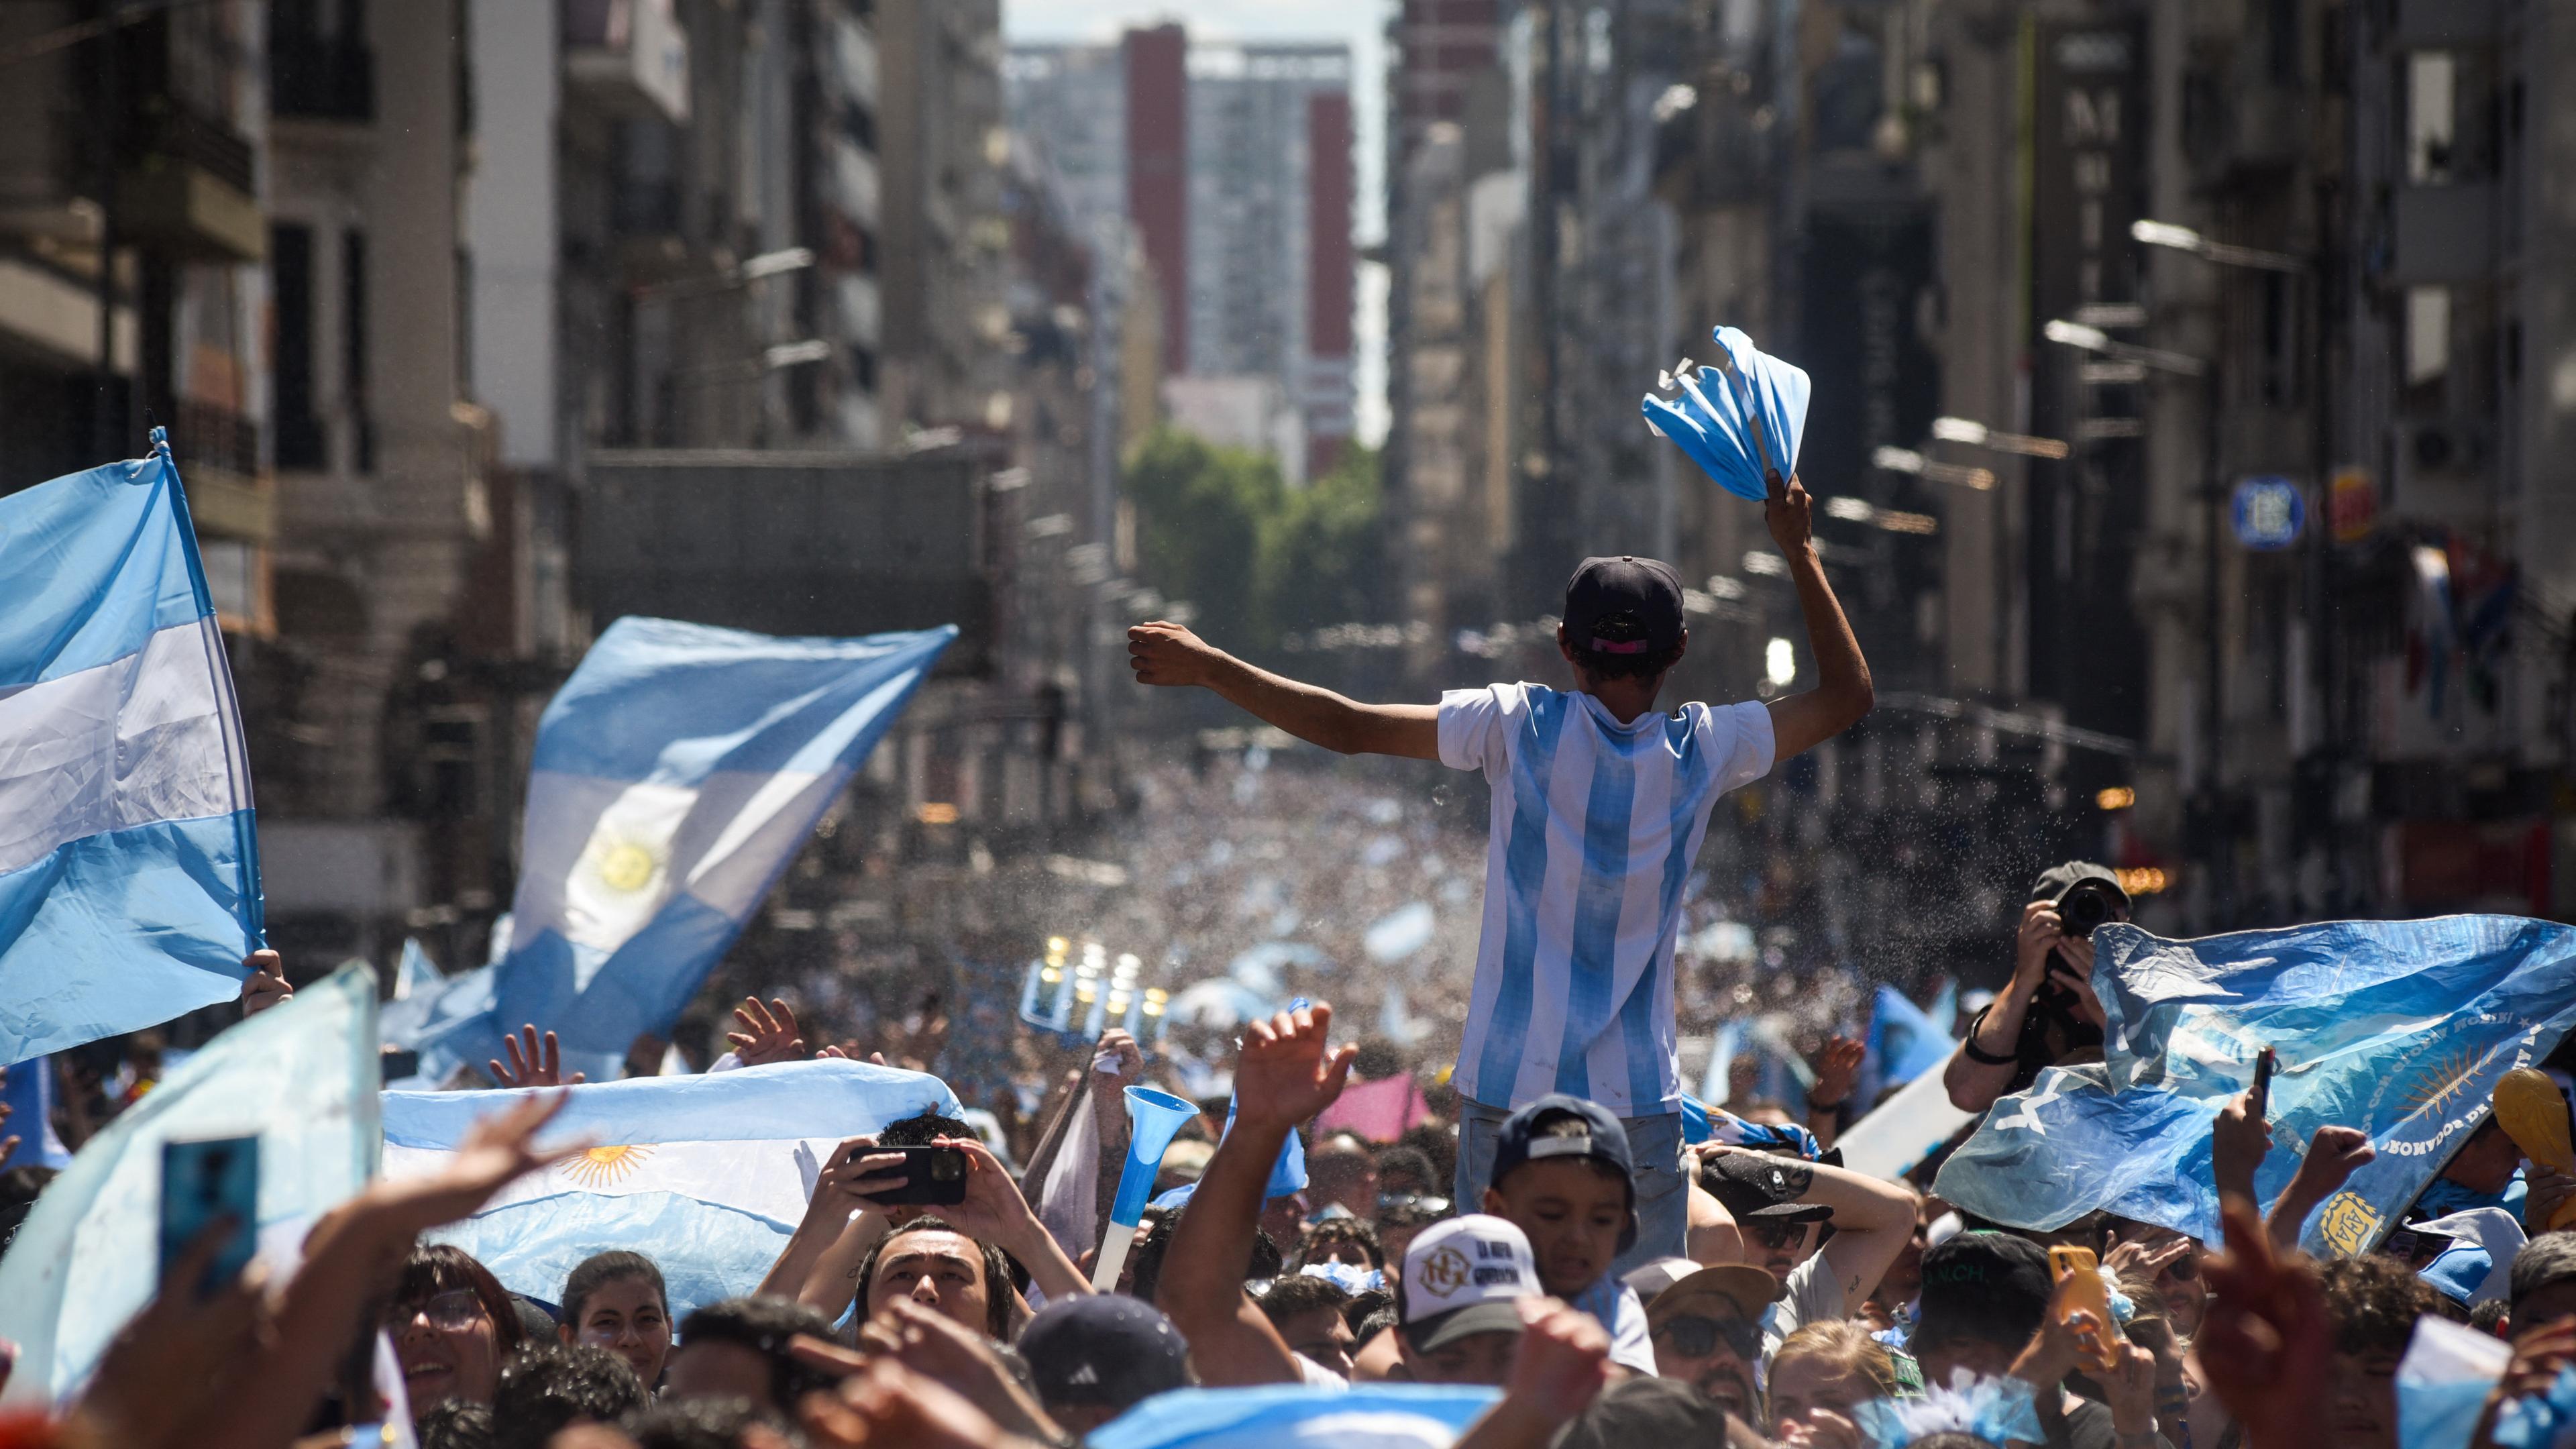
{"points": [[2428, 335], [2432, 116], [353, 346], [290, 270]]}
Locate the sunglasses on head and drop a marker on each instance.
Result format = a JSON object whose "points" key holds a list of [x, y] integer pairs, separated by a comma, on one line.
{"points": [[1696, 1335]]}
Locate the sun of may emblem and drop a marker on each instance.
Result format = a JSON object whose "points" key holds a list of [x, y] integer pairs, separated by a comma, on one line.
{"points": [[605, 1166], [625, 866], [2441, 1080]]}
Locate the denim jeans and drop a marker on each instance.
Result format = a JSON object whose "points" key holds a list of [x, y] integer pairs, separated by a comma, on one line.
{"points": [[1654, 1144]]}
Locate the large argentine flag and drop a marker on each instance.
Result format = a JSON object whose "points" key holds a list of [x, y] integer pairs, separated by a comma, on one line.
{"points": [[676, 774], [129, 890], [2399, 1028], [705, 1175], [301, 1076]]}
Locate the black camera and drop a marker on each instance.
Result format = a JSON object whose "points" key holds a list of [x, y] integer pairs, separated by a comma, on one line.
{"points": [[2086, 904]]}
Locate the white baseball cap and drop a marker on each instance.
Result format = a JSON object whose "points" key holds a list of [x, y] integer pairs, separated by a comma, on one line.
{"points": [[1462, 1276]]}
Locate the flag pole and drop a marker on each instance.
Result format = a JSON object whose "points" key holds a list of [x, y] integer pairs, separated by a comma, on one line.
{"points": [[253, 906]]}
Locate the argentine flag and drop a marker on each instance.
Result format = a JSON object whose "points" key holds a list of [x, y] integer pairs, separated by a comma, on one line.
{"points": [[705, 1175], [2399, 1028], [676, 774], [129, 883], [1370, 1416]]}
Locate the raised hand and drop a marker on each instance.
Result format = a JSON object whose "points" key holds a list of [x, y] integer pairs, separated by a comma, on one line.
{"points": [[2130, 1391], [2238, 1141], [1286, 1073], [887, 1403], [2266, 1346], [1837, 1068], [769, 1033], [1163, 653], [169, 1364], [538, 1064], [1790, 513], [266, 986], [2142, 1258], [931, 1344]]}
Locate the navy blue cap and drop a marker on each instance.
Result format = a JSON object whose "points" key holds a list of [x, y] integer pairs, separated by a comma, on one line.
{"points": [[1624, 605], [1558, 1125], [1104, 1349]]}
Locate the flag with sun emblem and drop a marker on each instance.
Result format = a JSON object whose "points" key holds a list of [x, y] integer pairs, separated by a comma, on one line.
{"points": [[2399, 1028], [706, 1175], [676, 774]]}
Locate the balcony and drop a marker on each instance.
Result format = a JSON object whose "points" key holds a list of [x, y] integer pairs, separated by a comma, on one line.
{"points": [[630, 58], [321, 78], [217, 451], [188, 191]]}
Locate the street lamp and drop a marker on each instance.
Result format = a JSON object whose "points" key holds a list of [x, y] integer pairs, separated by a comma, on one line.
{"points": [[2184, 239], [2094, 340], [1978, 435]]}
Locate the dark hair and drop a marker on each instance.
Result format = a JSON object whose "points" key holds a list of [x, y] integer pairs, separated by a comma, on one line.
{"points": [[19, 1189], [1411, 1161], [2374, 1302], [601, 1269], [997, 1272], [2547, 1259], [696, 1423], [2487, 1315], [922, 1130], [1266, 1259], [1436, 1143], [549, 1386], [1364, 1306], [764, 1325], [1378, 1321], [1343, 1230], [1297, 1294], [454, 1424], [435, 1268]]}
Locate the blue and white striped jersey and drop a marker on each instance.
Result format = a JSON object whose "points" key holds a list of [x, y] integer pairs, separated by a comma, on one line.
{"points": [[1595, 825]]}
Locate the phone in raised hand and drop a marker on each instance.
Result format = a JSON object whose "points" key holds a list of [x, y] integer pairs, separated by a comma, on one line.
{"points": [[202, 1181]]}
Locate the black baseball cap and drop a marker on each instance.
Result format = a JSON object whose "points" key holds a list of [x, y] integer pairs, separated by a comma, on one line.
{"points": [[1623, 605], [1558, 1125], [1105, 1349], [1756, 1185], [1984, 1287], [2058, 879]]}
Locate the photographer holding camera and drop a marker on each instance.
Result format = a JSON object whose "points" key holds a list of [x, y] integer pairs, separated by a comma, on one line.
{"points": [[2048, 1014]]}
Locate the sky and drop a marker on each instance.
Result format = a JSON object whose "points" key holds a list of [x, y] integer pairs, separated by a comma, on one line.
{"points": [[1360, 22]]}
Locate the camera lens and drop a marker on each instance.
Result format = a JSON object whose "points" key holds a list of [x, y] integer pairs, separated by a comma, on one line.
{"points": [[2082, 908], [948, 1169]]}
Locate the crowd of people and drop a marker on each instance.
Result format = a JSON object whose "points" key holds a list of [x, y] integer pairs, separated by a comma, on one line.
{"points": [[1559, 1230]]}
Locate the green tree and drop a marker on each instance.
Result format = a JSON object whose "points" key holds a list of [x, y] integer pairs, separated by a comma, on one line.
{"points": [[1218, 527]]}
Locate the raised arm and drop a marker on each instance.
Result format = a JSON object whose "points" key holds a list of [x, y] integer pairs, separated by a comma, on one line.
{"points": [[1842, 694], [1285, 1075], [1169, 654], [1873, 1220]]}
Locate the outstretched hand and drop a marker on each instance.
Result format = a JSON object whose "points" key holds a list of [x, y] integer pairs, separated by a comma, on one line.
{"points": [[499, 1148], [537, 1065], [1837, 1069], [1286, 1073], [769, 1033], [1790, 513], [1166, 653]]}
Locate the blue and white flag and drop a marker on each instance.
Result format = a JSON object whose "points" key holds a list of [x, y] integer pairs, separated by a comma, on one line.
{"points": [[676, 774], [301, 1076], [1904, 1040], [129, 882], [418, 984], [2399, 1028], [1370, 1416], [705, 1175], [1733, 426]]}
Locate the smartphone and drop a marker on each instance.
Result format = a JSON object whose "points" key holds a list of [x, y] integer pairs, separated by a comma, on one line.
{"points": [[398, 1063], [202, 1181], [2080, 1289], [2264, 1062], [933, 1176]]}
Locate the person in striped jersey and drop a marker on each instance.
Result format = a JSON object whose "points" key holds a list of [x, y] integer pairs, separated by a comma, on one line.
{"points": [[1600, 801]]}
